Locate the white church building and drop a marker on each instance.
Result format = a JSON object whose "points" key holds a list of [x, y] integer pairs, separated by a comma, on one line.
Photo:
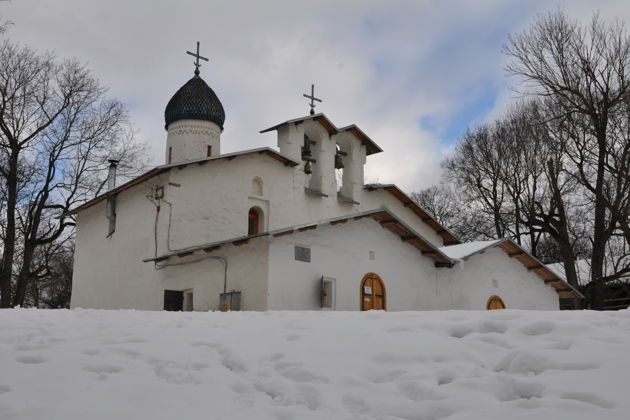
{"points": [[279, 229]]}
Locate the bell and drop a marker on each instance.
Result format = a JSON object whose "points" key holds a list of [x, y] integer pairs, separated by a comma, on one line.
{"points": [[306, 149], [307, 168], [338, 162]]}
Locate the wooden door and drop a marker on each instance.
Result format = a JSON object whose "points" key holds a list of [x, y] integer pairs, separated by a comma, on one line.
{"points": [[495, 302], [373, 294]]}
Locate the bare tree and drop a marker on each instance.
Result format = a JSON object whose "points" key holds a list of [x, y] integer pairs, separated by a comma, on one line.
{"points": [[476, 169], [57, 130], [585, 70], [444, 203]]}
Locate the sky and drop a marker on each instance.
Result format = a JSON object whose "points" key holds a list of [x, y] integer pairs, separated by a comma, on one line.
{"points": [[413, 75]]}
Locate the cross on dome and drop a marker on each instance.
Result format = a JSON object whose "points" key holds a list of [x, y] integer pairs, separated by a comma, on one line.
{"points": [[197, 58], [312, 98]]}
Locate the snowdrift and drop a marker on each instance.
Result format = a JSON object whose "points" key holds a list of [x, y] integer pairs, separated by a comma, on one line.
{"points": [[88, 364]]}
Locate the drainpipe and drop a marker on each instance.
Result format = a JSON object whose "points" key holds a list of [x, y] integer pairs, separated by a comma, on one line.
{"points": [[110, 211]]}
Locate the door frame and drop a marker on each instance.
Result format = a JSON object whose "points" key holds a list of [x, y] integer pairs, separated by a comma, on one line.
{"points": [[362, 296]]}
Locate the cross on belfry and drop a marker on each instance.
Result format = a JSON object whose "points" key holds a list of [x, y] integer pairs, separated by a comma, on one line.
{"points": [[198, 57], [312, 98]]}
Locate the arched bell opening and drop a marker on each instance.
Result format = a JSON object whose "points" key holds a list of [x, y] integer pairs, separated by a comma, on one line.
{"points": [[254, 221]]}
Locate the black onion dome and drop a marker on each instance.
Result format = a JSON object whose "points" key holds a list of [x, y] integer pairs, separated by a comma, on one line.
{"points": [[195, 101]]}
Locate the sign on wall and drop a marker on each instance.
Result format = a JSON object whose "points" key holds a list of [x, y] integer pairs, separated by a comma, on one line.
{"points": [[302, 253]]}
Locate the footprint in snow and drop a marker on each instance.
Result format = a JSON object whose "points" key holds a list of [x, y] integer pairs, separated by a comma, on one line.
{"points": [[416, 392], [537, 328], [490, 326], [355, 404], [302, 375], [589, 398], [561, 345], [460, 331], [4, 389], [100, 369], [382, 377], [28, 347], [31, 360]]}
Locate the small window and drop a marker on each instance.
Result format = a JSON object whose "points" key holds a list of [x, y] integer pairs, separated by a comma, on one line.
{"points": [[170, 154], [253, 227], [209, 151], [257, 187]]}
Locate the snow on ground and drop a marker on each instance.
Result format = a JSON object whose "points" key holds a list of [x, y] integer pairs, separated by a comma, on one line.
{"points": [[88, 364]]}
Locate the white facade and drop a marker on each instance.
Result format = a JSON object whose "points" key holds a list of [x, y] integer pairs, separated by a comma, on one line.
{"points": [[202, 198]]}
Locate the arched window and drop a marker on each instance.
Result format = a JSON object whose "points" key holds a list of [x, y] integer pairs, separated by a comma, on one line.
{"points": [[495, 302], [254, 221], [257, 187]]}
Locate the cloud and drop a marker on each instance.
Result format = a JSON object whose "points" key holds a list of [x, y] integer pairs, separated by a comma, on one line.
{"points": [[385, 66]]}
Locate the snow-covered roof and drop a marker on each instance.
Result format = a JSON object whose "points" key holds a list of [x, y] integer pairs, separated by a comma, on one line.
{"points": [[468, 249], [464, 251]]}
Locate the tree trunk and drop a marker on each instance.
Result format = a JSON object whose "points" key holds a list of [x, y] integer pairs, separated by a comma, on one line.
{"points": [[596, 286], [24, 275], [6, 269], [563, 240]]}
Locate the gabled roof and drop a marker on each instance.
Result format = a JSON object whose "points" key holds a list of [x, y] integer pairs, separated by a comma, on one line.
{"points": [[465, 251], [370, 146], [447, 236], [287, 161], [386, 219]]}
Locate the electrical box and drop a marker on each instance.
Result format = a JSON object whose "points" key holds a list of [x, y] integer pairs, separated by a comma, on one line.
{"points": [[328, 293], [230, 301]]}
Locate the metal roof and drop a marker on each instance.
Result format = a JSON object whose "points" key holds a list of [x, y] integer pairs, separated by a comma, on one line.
{"points": [[448, 237], [287, 161], [386, 219], [370, 146]]}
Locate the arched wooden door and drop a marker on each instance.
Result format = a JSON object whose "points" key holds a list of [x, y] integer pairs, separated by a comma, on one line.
{"points": [[495, 302], [373, 294]]}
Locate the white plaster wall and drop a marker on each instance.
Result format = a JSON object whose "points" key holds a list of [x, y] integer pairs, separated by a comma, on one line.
{"points": [[189, 139], [342, 252], [469, 285], [247, 273], [108, 271], [353, 162], [210, 202]]}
